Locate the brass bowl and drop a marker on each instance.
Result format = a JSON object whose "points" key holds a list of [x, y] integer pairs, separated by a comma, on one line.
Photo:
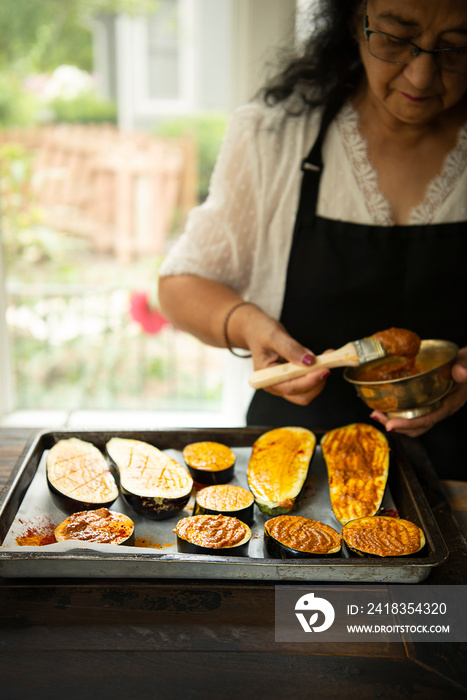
{"points": [[409, 397]]}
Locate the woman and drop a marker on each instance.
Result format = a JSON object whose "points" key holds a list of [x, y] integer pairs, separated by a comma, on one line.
{"points": [[366, 232]]}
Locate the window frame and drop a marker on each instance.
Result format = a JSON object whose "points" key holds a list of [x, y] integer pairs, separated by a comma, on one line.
{"points": [[146, 106]]}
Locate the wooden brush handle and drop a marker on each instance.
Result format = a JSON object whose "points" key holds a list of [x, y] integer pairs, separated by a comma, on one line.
{"points": [[344, 357]]}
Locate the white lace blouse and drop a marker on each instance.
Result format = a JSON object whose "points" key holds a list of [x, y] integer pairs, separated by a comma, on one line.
{"points": [[241, 235]]}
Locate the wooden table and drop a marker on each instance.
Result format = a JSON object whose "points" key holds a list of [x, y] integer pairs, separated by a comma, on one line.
{"points": [[170, 639]]}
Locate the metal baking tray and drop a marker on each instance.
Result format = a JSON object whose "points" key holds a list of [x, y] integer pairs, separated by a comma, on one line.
{"points": [[26, 497]]}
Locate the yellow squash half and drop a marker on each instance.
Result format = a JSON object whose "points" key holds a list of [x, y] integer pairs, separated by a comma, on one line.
{"points": [[357, 460], [278, 468]]}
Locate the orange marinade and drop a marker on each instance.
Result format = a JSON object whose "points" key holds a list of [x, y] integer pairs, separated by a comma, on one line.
{"points": [[357, 459], [211, 456], [214, 531], [384, 536], [303, 534], [226, 497], [398, 341], [395, 341], [37, 536], [275, 463], [95, 526]]}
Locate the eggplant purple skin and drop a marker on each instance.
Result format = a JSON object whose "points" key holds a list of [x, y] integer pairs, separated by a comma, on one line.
{"points": [[70, 505], [278, 550], [211, 478], [246, 515], [155, 508], [186, 547]]}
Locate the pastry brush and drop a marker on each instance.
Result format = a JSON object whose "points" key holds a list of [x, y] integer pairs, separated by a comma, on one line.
{"points": [[351, 354]]}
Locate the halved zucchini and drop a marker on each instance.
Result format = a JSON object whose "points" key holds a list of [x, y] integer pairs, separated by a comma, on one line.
{"points": [[209, 462], [78, 476], [152, 483], [101, 525], [357, 460], [212, 534], [295, 537], [278, 468], [225, 499], [383, 536]]}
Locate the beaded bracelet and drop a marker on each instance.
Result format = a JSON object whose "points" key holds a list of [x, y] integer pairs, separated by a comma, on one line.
{"points": [[226, 322]]}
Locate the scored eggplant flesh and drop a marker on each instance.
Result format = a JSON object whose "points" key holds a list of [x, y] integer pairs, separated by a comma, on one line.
{"points": [[152, 483], [78, 476]]}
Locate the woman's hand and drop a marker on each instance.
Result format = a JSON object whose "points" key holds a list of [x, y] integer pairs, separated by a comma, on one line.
{"points": [[270, 344], [200, 306], [451, 403]]}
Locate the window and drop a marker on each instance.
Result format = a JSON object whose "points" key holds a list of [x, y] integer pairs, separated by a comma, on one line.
{"points": [[156, 63], [163, 50]]}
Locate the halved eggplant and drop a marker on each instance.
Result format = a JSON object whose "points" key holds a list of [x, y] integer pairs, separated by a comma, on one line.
{"points": [[152, 483], [78, 476], [213, 534], [225, 499], [210, 462], [101, 525], [295, 537], [278, 468], [357, 460], [382, 536]]}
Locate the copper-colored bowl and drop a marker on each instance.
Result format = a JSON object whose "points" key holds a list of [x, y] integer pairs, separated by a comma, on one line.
{"points": [[409, 397]]}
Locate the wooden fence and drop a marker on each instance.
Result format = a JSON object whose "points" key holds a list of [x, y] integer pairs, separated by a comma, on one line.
{"points": [[123, 191]]}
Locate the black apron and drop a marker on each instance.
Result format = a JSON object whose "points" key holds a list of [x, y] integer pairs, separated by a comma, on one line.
{"points": [[346, 281]]}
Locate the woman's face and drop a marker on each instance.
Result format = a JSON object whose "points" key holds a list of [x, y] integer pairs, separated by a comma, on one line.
{"points": [[416, 92]]}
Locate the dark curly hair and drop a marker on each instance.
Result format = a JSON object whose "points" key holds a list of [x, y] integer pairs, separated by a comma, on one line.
{"points": [[328, 69]]}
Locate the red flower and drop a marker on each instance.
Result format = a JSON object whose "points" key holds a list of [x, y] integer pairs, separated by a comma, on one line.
{"points": [[140, 311]]}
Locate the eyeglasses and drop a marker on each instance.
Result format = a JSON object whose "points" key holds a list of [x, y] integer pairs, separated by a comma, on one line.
{"points": [[393, 49]]}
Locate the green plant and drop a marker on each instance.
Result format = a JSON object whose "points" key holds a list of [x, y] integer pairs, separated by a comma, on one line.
{"points": [[39, 35], [85, 108], [208, 131], [17, 107], [19, 210]]}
